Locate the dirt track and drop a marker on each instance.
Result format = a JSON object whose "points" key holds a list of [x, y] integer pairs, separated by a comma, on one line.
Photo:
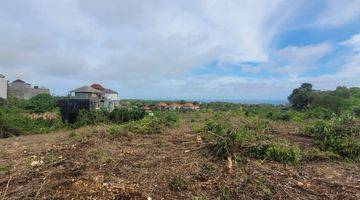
{"points": [[177, 164]]}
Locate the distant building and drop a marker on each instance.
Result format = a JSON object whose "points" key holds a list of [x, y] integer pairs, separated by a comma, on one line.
{"points": [[189, 106], [161, 105], [174, 106], [22, 90], [3, 87], [112, 98], [96, 97]]}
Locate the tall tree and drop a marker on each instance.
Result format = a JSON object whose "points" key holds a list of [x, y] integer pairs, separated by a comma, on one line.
{"points": [[302, 97]]}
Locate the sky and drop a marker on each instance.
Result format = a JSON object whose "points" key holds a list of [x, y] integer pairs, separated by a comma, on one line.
{"points": [[193, 49]]}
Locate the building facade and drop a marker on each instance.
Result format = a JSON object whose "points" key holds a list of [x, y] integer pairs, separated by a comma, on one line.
{"points": [[22, 90], [95, 97], [3, 87]]}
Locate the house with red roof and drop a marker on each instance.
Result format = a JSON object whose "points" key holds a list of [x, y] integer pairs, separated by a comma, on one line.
{"points": [[112, 98], [174, 106], [161, 105]]}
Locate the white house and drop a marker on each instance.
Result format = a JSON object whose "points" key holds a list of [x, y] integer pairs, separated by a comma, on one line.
{"points": [[112, 99], [3, 87]]}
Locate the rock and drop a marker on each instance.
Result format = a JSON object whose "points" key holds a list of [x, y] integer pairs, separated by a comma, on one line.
{"points": [[37, 163]]}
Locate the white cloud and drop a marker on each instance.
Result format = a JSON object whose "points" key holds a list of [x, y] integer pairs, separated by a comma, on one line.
{"points": [[151, 48], [353, 42], [298, 59], [339, 12]]}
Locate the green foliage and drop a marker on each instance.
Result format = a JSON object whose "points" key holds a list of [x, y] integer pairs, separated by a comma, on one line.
{"points": [[317, 154], [121, 115], [93, 117], [5, 169], [329, 101], [148, 125], [284, 153], [229, 142], [3, 102], [301, 98], [356, 111], [221, 106], [248, 141], [41, 103], [168, 118], [341, 136], [279, 151], [13, 123]]}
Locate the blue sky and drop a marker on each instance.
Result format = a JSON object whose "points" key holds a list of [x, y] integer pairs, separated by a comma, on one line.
{"points": [[195, 49]]}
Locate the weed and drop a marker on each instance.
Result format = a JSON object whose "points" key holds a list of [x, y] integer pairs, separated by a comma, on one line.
{"points": [[4, 169], [317, 154], [284, 153], [160, 146], [72, 134], [340, 136]]}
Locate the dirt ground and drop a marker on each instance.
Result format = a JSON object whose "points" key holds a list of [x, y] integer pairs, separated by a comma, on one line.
{"points": [[177, 164]]}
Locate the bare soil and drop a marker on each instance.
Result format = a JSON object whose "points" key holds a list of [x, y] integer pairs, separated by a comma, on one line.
{"points": [[177, 164]]}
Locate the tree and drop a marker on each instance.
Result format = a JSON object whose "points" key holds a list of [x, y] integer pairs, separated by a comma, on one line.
{"points": [[342, 92], [302, 97], [41, 103]]}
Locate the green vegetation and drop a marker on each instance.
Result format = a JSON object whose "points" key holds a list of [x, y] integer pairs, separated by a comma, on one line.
{"points": [[341, 136], [329, 118], [37, 115], [148, 125]]}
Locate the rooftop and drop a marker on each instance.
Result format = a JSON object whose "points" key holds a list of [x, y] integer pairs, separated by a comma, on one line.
{"points": [[97, 86], [86, 89]]}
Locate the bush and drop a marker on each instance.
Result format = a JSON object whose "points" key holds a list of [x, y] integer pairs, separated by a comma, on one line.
{"points": [[341, 136], [168, 118], [284, 153], [93, 117], [13, 123], [41, 103], [357, 111], [121, 115], [147, 125]]}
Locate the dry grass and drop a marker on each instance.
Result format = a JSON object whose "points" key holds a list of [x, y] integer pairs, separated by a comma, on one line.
{"points": [[177, 164]]}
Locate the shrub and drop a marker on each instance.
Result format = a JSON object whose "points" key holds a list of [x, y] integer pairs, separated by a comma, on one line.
{"points": [[317, 154], [284, 153], [93, 117], [41, 103], [168, 118], [13, 123], [340, 136], [121, 115], [147, 125], [356, 111]]}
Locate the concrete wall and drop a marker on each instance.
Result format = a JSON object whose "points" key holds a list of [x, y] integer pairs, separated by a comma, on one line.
{"points": [[3, 87], [113, 97]]}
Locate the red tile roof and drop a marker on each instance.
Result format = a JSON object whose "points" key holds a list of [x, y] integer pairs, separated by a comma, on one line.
{"points": [[161, 104], [97, 86]]}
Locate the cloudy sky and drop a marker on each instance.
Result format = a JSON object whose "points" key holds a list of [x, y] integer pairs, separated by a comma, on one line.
{"points": [[182, 49]]}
